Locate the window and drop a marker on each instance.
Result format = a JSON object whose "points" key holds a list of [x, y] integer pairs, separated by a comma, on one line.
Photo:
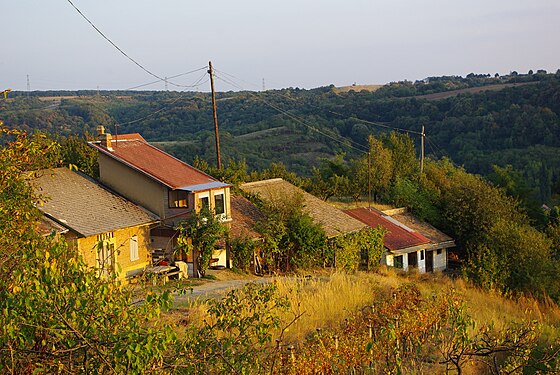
{"points": [[204, 202], [178, 198], [106, 254], [219, 204], [134, 248], [398, 261], [421, 254]]}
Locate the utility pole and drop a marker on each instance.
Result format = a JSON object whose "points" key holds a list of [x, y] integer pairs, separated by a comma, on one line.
{"points": [[211, 72], [369, 176], [28, 85], [166, 84], [422, 151]]}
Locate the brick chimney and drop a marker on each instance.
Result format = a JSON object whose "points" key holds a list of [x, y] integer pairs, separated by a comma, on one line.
{"points": [[104, 138]]}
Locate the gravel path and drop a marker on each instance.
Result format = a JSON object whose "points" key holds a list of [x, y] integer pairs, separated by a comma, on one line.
{"points": [[217, 288]]}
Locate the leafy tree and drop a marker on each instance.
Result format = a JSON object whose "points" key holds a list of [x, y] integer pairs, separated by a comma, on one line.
{"points": [[242, 250], [381, 166], [75, 151], [200, 234], [405, 164], [331, 179], [365, 246], [291, 238], [57, 315]]}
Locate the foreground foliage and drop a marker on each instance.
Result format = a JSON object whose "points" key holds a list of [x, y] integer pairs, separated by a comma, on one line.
{"points": [[56, 314], [399, 331]]}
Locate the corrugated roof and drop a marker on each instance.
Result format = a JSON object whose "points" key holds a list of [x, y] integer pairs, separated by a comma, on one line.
{"points": [[206, 186], [134, 151], [433, 234], [80, 203], [398, 235], [245, 215], [334, 221]]}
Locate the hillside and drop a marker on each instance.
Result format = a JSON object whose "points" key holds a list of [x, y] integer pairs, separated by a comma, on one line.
{"points": [[476, 120]]}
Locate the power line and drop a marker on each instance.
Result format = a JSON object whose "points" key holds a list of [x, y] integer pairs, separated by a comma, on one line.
{"points": [[117, 47], [359, 147], [375, 123], [197, 83]]}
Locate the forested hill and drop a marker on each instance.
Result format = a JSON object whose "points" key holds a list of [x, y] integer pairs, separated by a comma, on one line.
{"points": [[476, 120]]}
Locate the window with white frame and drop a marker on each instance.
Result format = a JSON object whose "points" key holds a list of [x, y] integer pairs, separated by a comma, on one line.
{"points": [[134, 248], [219, 204]]}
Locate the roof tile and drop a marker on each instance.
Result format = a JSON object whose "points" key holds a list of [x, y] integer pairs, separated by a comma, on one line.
{"points": [[83, 205], [133, 150]]}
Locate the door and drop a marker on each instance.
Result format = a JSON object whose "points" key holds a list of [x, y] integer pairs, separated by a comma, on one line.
{"points": [[413, 260], [430, 261]]}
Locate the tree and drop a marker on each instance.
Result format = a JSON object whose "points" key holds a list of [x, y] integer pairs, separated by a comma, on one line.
{"points": [[199, 234], [75, 151], [57, 315], [291, 238], [381, 167], [404, 160]]}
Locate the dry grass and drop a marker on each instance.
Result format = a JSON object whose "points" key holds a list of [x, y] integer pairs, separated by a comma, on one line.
{"points": [[356, 88], [325, 300]]}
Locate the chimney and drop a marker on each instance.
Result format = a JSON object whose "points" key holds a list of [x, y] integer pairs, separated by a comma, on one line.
{"points": [[104, 138]]}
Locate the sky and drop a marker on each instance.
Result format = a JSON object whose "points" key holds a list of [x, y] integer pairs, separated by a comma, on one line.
{"points": [[288, 43]]}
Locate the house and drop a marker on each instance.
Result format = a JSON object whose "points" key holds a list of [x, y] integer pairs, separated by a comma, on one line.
{"points": [[410, 243], [440, 242], [333, 221], [111, 233], [163, 184]]}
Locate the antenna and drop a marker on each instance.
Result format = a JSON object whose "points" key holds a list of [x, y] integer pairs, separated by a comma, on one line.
{"points": [[28, 85], [263, 87]]}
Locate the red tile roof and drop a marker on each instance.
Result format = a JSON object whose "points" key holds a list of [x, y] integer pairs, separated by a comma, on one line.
{"points": [[398, 235], [134, 151], [122, 137]]}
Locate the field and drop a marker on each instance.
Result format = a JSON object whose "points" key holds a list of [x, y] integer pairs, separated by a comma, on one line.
{"points": [[323, 321], [471, 90], [357, 88]]}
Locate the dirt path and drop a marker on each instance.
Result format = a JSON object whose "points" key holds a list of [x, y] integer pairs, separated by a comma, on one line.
{"points": [[217, 288]]}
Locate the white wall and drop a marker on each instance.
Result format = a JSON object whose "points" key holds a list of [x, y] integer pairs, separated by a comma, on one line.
{"points": [[440, 261]]}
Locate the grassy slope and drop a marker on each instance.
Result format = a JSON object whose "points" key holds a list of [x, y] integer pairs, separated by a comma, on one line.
{"points": [[327, 299]]}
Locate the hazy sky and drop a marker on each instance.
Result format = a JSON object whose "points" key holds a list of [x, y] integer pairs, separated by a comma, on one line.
{"points": [[289, 43]]}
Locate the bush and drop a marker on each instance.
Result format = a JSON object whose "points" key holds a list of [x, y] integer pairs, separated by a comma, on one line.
{"points": [[242, 251]]}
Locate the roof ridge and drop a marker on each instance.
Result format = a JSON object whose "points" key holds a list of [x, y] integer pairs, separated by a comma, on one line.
{"points": [[262, 182]]}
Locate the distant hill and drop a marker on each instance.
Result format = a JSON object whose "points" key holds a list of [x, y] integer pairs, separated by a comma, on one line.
{"points": [[476, 120], [356, 88]]}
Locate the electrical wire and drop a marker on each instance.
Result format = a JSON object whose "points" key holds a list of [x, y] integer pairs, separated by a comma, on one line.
{"points": [[361, 148], [375, 123], [118, 48], [175, 76]]}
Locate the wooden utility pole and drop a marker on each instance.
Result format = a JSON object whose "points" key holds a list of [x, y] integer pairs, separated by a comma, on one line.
{"points": [[211, 72], [422, 151], [369, 176]]}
